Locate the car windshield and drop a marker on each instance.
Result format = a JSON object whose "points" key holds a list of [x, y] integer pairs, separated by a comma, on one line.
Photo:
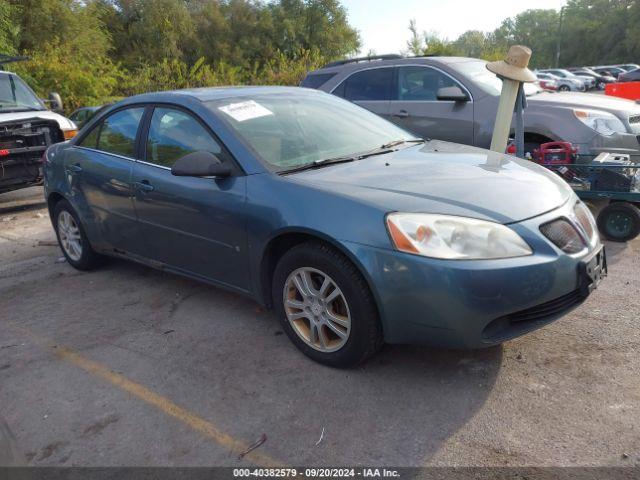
{"points": [[294, 129], [15, 96], [476, 71]]}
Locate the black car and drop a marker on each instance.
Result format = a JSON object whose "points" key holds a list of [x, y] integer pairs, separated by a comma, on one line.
{"points": [[601, 78], [608, 70], [632, 76]]}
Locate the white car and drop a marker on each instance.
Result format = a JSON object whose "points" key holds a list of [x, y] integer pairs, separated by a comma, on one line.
{"points": [[563, 84], [588, 82], [27, 128]]}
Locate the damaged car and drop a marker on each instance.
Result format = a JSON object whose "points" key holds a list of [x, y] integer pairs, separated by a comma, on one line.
{"points": [[27, 128], [353, 230]]}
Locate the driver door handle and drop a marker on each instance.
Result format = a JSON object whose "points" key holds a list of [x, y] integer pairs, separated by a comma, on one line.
{"points": [[401, 114], [144, 186], [74, 168]]}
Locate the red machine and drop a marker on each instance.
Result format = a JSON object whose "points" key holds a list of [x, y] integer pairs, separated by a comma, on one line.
{"points": [[553, 153]]}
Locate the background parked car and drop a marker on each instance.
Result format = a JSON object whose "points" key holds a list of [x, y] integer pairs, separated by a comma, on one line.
{"points": [[609, 70], [632, 76], [456, 99], [27, 128], [629, 66], [563, 84], [82, 115], [589, 82], [547, 84], [601, 80]]}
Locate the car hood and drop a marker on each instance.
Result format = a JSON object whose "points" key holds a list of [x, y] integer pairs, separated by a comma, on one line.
{"points": [[584, 100], [446, 178], [65, 123]]}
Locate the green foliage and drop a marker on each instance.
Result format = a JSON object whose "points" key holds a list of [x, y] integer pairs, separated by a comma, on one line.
{"points": [[90, 51], [593, 32], [93, 50]]}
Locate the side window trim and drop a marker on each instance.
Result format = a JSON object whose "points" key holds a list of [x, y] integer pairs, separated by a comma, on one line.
{"points": [[142, 157]]}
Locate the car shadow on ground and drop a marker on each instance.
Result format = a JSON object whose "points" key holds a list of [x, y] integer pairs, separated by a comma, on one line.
{"points": [[399, 407], [221, 356]]}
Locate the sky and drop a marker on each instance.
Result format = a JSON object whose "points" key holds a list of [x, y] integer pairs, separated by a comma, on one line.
{"points": [[383, 24]]}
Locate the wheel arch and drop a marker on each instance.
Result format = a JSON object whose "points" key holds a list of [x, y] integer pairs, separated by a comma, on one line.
{"points": [[283, 240], [52, 200]]}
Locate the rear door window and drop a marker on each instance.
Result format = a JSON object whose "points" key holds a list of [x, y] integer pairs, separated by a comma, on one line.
{"points": [[367, 85], [317, 80]]}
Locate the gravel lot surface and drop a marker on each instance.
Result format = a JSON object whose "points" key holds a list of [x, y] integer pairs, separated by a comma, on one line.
{"points": [[130, 366]]}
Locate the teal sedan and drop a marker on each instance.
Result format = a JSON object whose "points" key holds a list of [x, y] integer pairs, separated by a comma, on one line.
{"points": [[352, 230]]}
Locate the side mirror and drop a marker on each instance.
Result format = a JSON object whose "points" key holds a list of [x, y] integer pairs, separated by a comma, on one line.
{"points": [[454, 94], [56, 102], [200, 164]]}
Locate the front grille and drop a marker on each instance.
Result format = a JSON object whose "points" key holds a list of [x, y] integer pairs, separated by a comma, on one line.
{"points": [[584, 219], [548, 309], [563, 235], [634, 119], [518, 323]]}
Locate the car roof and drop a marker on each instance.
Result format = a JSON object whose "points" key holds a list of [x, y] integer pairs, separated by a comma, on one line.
{"points": [[206, 94], [372, 62]]}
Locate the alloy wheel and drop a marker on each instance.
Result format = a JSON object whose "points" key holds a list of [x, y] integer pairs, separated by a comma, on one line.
{"points": [[70, 237], [316, 309]]}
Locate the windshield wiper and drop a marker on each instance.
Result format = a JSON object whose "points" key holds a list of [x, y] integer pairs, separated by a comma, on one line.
{"points": [[321, 163], [395, 143], [386, 148]]}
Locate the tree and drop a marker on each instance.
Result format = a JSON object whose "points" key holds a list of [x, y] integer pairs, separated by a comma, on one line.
{"points": [[416, 42]]}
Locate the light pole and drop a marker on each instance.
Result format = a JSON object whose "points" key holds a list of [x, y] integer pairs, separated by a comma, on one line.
{"points": [[559, 38]]}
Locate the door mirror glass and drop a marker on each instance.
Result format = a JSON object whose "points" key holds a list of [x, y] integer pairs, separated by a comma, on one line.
{"points": [[55, 102], [200, 164], [454, 94]]}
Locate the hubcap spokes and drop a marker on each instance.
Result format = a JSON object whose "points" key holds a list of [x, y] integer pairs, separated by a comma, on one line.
{"points": [[317, 309], [69, 235]]}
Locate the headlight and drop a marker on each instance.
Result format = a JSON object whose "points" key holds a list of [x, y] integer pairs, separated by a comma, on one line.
{"points": [[455, 238], [602, 122]]}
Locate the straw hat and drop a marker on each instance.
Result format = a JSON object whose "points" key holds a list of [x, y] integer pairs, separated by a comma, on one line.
{"points": [[515, 65]]}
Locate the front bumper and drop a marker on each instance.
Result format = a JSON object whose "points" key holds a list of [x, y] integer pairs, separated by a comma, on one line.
{"points": [[475, 303]]}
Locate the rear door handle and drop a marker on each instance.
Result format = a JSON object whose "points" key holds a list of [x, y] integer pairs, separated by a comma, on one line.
{"points": [[401, 114], [74, 168], [144, 186]]}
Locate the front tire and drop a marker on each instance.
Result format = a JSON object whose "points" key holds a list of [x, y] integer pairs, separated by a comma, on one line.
{"points": [[619, 222], [325, 306], [72, 239], [564, 88]]}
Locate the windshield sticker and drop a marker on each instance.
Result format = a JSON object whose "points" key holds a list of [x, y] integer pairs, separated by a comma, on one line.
{"points": [[245, 110]]}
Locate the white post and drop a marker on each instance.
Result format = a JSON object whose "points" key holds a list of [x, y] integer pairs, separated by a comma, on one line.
{"points": [[505, 114]]}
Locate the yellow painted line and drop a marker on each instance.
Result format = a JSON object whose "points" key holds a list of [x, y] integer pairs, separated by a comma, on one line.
{"points": [[163, 404]]}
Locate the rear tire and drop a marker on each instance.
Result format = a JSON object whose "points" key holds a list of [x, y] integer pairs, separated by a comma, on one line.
{"points": [[72, 239], [619, 222], [564, 88], [338, 292]]}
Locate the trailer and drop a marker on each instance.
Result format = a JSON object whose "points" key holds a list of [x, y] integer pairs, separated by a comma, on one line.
{"points": [[610, 185]]}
